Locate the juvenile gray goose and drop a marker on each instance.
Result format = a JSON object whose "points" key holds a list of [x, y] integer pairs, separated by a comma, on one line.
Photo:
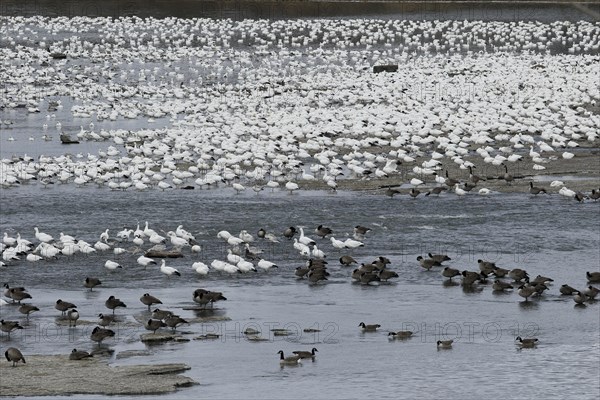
{"points": [[99, 334], [400, 334], [149, 300], [9, 326], [593, 277], [527, 342], [28, 309], [14, 355], [428, 263], [91, 283], [154, 324], [369, 328], [567, 290], [112, 303], [79, 355], [291, 360], [450, 272], [347, 260], [306, 354], [63, 306]]}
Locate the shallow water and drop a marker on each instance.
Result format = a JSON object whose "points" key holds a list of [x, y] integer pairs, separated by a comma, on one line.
{"points": [[538, 234]]}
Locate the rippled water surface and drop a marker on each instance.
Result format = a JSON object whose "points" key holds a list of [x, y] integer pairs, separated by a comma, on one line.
{"points": [[549, 236]]}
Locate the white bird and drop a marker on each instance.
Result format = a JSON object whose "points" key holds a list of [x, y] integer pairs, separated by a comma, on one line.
{"points": [[556, 183], [484, 191], [338, 244], [352, 244], [182, 233], [33, 257], [233, 241], [416, 182], [238, 187], [101, 246], [200, 268], [168, 270], [301, 247], [305, 239], [291, 186], [111, 265], [196, 248], [42, 237], [104, 236], [246, 237], [224, 235], [177, 241], [245, 266], [233, 258], [119, 250], [156, 238], [266, 265], [145, 261], [317, 253], [459, 191], [567, 156]]}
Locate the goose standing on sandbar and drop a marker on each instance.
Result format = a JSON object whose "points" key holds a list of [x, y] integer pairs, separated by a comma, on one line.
{"points": [[149, 300], [13, 354], [112, 303]]}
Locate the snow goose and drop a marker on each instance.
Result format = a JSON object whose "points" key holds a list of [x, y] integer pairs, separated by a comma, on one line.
{"points": [[168, 271]]}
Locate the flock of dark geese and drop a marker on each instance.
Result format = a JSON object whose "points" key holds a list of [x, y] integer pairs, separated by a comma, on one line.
{"points": [[242, 258]]}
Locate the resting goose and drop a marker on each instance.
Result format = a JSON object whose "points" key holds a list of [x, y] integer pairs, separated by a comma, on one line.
{"points": [[369, 328], [306, 354]]}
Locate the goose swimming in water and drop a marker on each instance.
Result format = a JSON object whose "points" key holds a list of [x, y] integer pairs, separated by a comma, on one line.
{"points": [[291, 360], [369, 328], [306, 354]]}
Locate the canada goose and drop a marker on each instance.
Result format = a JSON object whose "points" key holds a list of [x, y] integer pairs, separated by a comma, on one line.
{"points": [[73, 316], [112, 303], [204, 297], [79, 355], [474, 178], [436, 190], [323, 231], [313, 263], [173, 320], [528, 342], [400, 334], [440, 258], [369, 328], [367, 267], [579, 298], [468, 186], [18, 295], [356, 274], [306, 354], [368, 277], [361, 230], [507, 177], [347, 260], [63, 306], [487, 267], [580, 196], [387, 274], [154, 324], [291, 360], [414, 193], [391, 192], [9, 326], [444, 344], [99, 334], [591, 292], [500, 286], [300, 272], [149, 300], [500, 272], [14, 355], [526, 291], [595, 194], [567, 290], [428, 263], [541, 279], [91, 283], [261, 233], [450, 272], [289, 232], [28, 309], [536, 190], [593, 277], [450, 181], [106, 320], [518, 274], [317, 275], [161, 314], [469, 277]]}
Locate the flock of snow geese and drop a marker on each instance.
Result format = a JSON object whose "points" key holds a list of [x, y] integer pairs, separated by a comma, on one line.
{"points": [[291, 105]]}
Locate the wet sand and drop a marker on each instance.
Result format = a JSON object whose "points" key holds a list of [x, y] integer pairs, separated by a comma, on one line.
{"points": [[57, 375]]}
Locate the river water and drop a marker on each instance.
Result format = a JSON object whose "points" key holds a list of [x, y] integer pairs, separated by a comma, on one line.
{"points": [[550, 236]]}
